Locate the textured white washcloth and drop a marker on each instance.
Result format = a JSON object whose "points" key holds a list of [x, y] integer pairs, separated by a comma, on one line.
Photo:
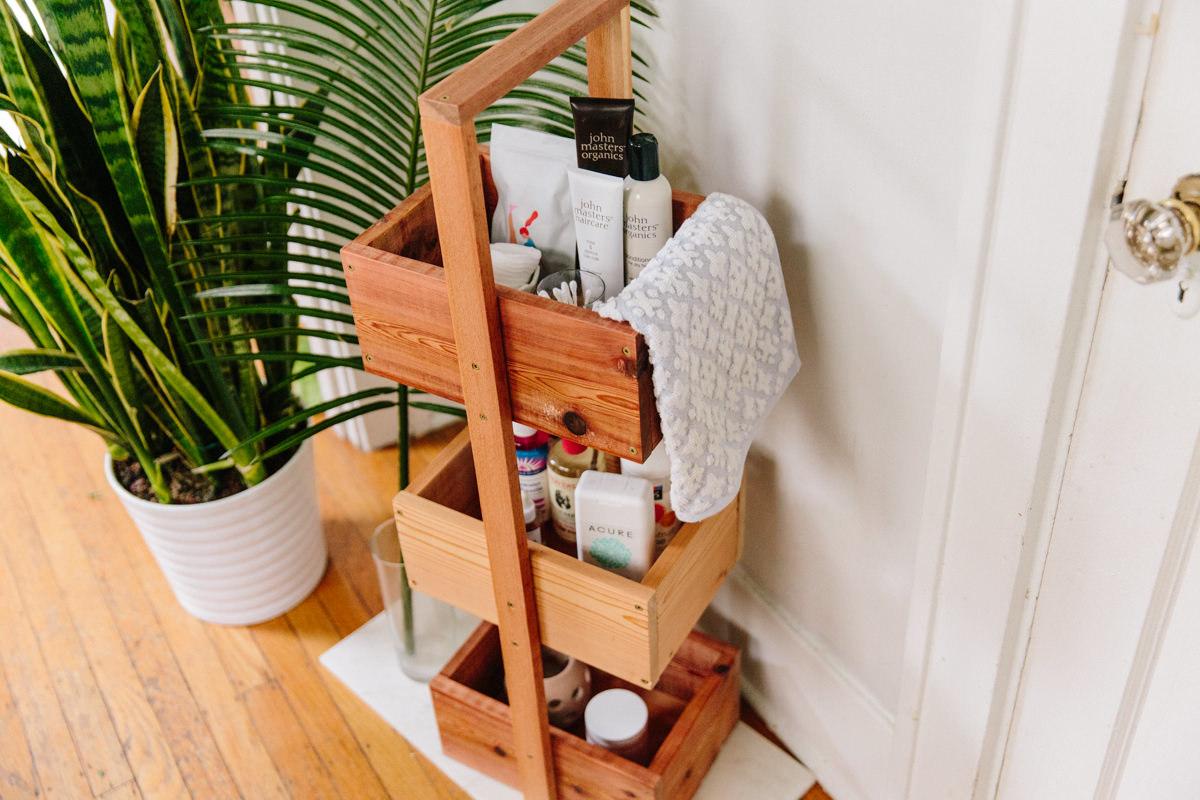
{"points": [[715, 315]]}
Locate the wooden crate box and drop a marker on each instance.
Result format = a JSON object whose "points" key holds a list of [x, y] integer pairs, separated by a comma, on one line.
{"points": [[628, 628], [571, 373], [692, 711]]}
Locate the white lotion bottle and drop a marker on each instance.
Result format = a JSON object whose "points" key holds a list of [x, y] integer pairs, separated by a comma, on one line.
{"points": [[647, 205]]}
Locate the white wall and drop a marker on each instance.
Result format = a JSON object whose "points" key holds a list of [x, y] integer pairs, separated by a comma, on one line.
{"points": [[844, 123]]}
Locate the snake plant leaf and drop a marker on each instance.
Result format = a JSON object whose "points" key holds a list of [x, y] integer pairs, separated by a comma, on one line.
{"points": [[158, 147], [116, 350], [30, 396], [14, 203], [79, 31], [27, 361]]}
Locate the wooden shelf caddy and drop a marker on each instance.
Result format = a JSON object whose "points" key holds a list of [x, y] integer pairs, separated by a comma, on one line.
{"points": [[626, 628], [429, 315], [692, 710], [571, 372]]}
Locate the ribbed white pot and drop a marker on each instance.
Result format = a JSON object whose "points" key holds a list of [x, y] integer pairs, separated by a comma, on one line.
{"points": [[245, 558]]}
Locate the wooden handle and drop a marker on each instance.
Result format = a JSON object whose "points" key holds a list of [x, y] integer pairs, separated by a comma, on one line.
{"points": [[485, 79], [448, 122]]}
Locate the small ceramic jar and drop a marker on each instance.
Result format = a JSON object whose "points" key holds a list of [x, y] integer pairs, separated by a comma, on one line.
{"points": [[616, 719], [568, 687]]}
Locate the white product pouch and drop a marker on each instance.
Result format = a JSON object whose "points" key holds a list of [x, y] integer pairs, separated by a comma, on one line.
{"points": [[530, 171]]}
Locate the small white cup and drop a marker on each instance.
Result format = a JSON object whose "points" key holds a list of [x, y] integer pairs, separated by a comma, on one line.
{"points": [[568, 687]]}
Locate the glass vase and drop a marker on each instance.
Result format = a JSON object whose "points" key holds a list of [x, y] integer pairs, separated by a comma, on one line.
{"points": [[425, 631]]}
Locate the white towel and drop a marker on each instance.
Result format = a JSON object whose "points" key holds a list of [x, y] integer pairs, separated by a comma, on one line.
{"points": [[715, 315]]}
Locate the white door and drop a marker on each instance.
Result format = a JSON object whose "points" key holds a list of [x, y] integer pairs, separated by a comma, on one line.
{"points": [[1108, 700]]}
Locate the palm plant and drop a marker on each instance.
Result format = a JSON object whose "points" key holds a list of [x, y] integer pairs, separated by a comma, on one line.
{"points": [[341, 80]]}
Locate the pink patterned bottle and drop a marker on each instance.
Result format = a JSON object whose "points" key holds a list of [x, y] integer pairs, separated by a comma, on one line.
{"points": [[533, 447]]}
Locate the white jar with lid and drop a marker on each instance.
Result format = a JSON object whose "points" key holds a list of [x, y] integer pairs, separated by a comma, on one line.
{"points": [[617, 720]]}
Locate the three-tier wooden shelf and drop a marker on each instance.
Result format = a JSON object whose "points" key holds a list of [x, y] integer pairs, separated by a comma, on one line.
{"points": [[430, 316]]}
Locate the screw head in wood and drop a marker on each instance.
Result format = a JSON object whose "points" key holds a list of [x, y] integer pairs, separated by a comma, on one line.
{"points": [[633, 451], [483, 417], [370, 357], [626, 351], [474, 366]]}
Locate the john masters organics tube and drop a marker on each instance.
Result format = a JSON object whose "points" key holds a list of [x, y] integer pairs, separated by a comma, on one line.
{"points": [[602, 129], [597, 204]]}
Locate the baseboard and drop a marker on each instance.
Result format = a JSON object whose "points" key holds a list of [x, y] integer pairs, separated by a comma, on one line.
{"points": [[829, 720]]}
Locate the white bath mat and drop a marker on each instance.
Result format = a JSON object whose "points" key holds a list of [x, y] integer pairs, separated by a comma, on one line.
{"points": [[748, 766]]}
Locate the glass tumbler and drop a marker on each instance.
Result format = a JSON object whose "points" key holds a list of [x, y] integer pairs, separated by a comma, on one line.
{"points": [[425, 630], [578, 287]]}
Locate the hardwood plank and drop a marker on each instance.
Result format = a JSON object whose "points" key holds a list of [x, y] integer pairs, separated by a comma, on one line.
{"points": [[82, 571], [125, 791], [241, 660], [396, 763], [304, 774], [50, 615], [17, 778], [58, 769], [141, 607], [314, 709]]}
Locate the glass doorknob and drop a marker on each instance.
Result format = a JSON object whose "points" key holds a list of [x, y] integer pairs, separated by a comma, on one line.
{"points": [[1148, 241]]}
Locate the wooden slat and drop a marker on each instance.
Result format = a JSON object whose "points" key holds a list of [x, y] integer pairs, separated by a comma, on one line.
{"points": [[454, 173], [472, 88], [610, 57], [706, 722]]}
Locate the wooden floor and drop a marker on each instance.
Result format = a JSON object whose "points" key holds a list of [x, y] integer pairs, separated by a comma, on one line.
{"points": [[109, 689]]}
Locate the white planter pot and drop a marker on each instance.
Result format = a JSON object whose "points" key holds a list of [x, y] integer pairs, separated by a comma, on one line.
{"points": [[245, 558]]}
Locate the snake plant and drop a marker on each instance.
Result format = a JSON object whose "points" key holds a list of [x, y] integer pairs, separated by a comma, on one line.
{"points": [[174, 188], [104, 176]]}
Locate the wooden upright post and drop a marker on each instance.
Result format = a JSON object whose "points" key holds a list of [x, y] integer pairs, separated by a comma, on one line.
{"points": [[448, 123], [454, 171], [610, 57]]}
